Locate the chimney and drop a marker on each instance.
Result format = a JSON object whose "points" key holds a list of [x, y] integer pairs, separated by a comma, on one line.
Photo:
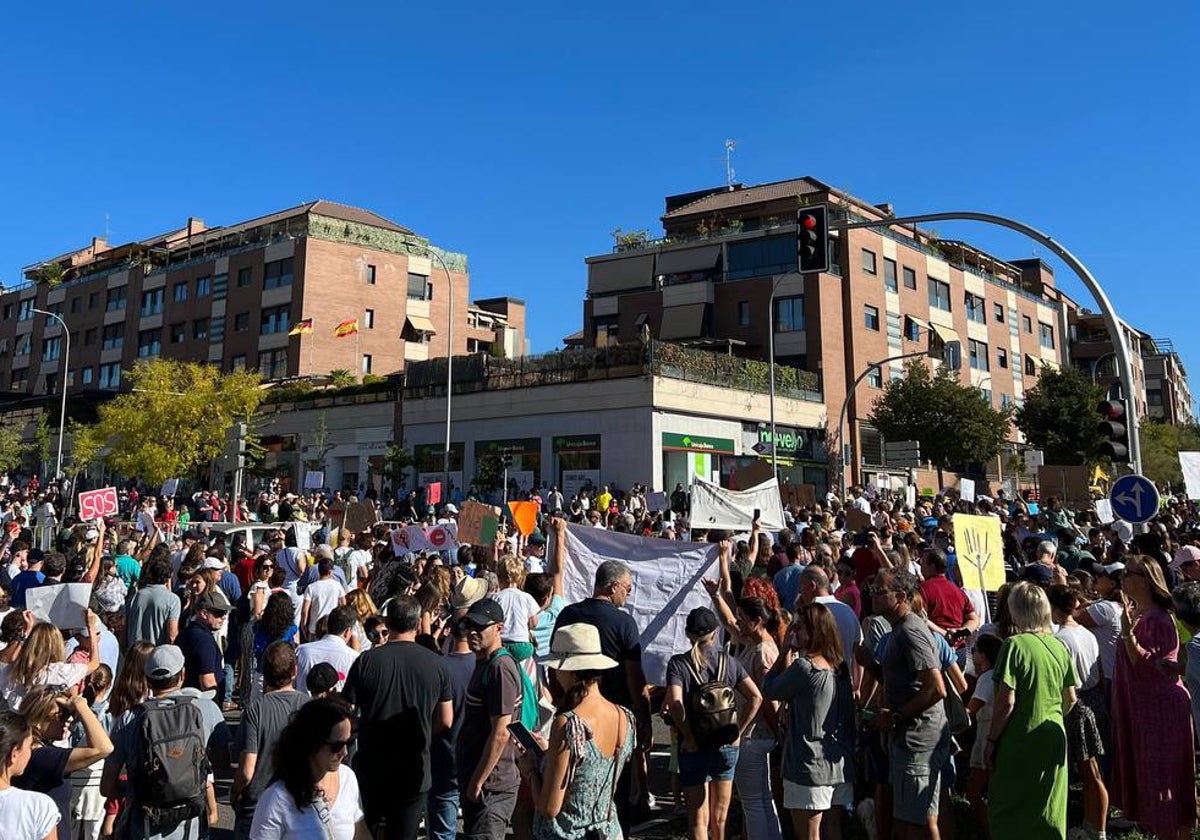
{"points": [[194, 225], [99, 245], [886, 208]]}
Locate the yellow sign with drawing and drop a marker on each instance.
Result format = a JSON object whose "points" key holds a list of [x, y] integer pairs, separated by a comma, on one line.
{"points": [[980, 551]]}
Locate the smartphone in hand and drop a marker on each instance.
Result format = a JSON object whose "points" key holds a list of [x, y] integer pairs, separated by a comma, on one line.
{"points": [[525, 738]]}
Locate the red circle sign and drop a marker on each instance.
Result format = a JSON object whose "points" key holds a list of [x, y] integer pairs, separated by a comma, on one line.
{"points": [[438, 537]]}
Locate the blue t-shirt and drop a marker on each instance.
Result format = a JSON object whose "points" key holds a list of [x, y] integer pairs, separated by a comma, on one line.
{"points": [[201, 655], [26, 580], [545, 625], [128, 569], [787, 585]]}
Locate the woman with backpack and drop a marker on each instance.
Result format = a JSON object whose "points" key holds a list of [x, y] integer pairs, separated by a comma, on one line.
{"points": [[701, 687]]}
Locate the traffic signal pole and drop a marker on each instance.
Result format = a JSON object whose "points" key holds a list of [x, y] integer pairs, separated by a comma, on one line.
{"points": [[1111, 321]]}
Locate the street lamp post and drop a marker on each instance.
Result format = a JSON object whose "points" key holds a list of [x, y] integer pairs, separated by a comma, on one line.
{"points": [[449, 371], [771, 365], [62, 412]]}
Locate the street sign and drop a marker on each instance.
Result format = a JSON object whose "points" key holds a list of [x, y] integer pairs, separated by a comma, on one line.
{"points": [[902, 453], [763, 447], [1134, 499]]}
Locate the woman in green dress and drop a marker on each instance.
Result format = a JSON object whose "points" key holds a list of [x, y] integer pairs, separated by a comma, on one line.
{"points": [[1027, 743]]}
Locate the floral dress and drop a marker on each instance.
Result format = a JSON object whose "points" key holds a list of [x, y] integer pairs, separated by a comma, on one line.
{"points": [[589, 803]]}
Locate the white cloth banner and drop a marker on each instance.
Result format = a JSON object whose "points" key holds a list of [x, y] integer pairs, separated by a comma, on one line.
{"points": [[666, 585], [1104, 511], [715, 507], [1189, 462]]}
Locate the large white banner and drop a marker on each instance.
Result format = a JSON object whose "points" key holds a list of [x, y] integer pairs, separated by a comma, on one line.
{"points": [[715, 507], [1189, 462], [666, 585]]}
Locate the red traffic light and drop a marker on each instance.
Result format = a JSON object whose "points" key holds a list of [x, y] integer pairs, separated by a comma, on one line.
{"points": [[808, 221], [1112, 409]]}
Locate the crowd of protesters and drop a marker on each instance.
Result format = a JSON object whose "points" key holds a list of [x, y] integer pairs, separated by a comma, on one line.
{"points": [[355, 689]]}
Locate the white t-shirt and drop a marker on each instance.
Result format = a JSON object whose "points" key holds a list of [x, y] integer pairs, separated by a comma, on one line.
{"points": [[359, 558], [849, 630], [1085, 655], [519, 606], [985, 690], [25, 815], [1107, 615], [277, 818], [329, 649], [322, 596], [56, 673]]}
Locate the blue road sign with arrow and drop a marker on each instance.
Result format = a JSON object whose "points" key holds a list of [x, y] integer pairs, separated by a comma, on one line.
{"points": [[1134, 498]]}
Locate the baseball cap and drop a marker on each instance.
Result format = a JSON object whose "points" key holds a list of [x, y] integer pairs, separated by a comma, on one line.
{"points": [[485, 613], [90, 535], [451, 508], [701, 621], [536, 538], [321, 678], [1038, 573], [1186, 554], [214, 600], [213, 563], [163, 662]]}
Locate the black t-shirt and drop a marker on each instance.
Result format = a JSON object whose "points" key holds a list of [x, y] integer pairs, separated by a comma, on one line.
{"points": [[619, 640], [459, 668], [201, 655], [46, 773], [396, 688]]}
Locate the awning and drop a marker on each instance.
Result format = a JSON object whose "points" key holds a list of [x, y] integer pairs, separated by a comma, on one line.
{"points": [[620, 274], [944, 333], [685, 321], [421, 323], [689, 260]]}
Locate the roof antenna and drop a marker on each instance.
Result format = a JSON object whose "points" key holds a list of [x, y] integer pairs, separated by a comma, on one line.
{"points": [[729, 146], [105, 227]]}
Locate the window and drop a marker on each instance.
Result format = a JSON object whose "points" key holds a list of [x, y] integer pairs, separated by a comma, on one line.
{"points": [[979, 354], [871, 317], [1046, 335], [939, 294], [366, 363], [999, 308], [1027, 323], [419, 287], [241, 322], [203, 286], [110, 375], [180, 292], [93, 300], [89, 337], [369, 319], [51, 351], [24, 343], [20, 379], [51, 383], [370, 275], [760, 257], [25, 309], [875, 377], [789, 314], [200, 328], [86, 376], [1006, 401], [889, 274], [868, 261], [76, 304], [275, 319], [1154, 397], [743, 313], [986, 394], [114, 299], [152, 302], [1002, 357], [7, 311], [149, 343], [114, 335], [244, 278], [273, 364], [178, 333], [238, 362], [1030, 367], [910, 278], [912, 330], [976, 309], [278, 273]]}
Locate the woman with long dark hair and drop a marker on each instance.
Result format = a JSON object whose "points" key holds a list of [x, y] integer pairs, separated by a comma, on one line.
{"points": [[314, 795], [131, 686], [590, 741], [24, 814]]}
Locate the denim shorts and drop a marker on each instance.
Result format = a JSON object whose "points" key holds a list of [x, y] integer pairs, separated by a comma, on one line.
{"points": [[696, 768]]}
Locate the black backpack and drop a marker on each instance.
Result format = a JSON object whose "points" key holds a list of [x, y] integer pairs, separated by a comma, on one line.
{"points": [[712, 708], [170, 776]]}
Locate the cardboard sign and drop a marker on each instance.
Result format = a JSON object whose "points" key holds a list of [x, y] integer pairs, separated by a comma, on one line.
{"points": [[314, 480], [477, 523], [1104, 511], [98, 504], [966, 489], [1070, 484], [1189, 464], [410, 538], [359, 517], [656, 501], [524, 514], [303, 532], [433, 493], [169, 487], [980, 551], [752, 475], [64, 605], [857, 521], [444, 537]]}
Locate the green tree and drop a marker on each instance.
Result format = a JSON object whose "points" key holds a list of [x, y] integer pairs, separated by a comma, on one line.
{"points": [[396, 463], [1059, 416], [341, 378], [12, 447], [175, 419], [950, 420], [85, 448], [41, 440], [1161, 444], [489, 472]]}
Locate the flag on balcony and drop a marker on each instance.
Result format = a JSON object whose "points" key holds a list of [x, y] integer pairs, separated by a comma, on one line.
{"points": [[302, 327], [346, 328]]}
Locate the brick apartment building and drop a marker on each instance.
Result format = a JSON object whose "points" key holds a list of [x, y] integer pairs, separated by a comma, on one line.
{"points": [[708, 280], [230, 295]]}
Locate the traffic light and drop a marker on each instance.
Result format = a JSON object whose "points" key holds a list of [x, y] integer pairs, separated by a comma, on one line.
{"points": [[1112, 428], [814, 238]]}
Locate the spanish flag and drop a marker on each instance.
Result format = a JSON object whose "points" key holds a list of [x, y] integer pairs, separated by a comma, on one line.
{"points": [[302, 327], [346, 328]]}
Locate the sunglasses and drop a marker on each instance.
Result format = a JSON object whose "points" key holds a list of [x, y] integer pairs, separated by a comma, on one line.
{"points": [[338, 746]]}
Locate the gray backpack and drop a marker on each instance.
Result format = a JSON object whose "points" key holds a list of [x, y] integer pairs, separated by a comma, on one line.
{"points": [[170, 776]]}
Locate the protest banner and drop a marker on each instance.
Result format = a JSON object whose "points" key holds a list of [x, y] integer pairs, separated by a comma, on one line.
{"points": [[1189, 462], [98, 504], [314, 480], [656, 501], [666, 585], [443, 537], [169, 487], [856, 520], [715, 507], [524, 516], [980, 550], [408, 539], [966, 489], [477, 523], [64, 604], [433, 493], [1104, 511], [303, 532], [359, 517]]}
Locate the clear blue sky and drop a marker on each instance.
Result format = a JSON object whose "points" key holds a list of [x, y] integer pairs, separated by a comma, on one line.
{"points": [[522, 133]]}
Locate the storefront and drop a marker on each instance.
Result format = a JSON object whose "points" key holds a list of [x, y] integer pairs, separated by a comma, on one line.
{"points": [[525, 470], [578, 462], [799, 454], [429, 463], [687, 455]]}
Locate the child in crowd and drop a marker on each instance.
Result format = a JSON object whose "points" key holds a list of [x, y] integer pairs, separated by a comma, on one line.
{"points": [[87, 804], [983, 657]]}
